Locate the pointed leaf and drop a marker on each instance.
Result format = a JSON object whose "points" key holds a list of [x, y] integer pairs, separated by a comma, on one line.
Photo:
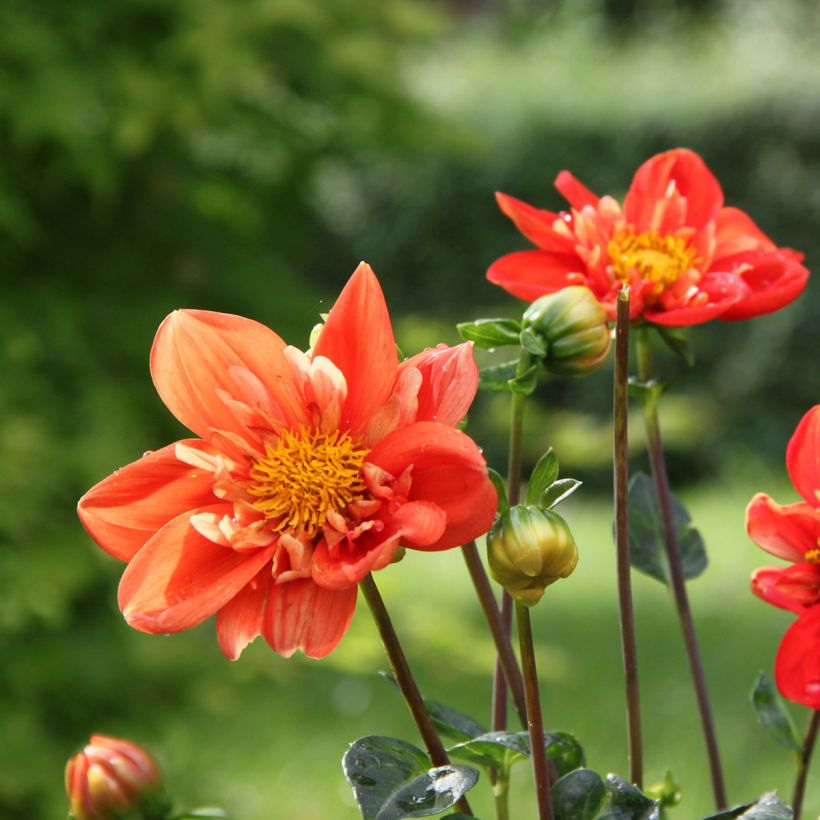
{"points": [[524, 384], [490, 333], [558, 491], [583, 795], [392, 780], [768, 807], [500, 749], [500, 489], [496, 378], [543, 475], [647, 546], [667, 792], [628, 802], [533, 343], [772, 714]]}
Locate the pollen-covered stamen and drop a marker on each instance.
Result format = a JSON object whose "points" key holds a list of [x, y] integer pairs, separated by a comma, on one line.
{"points": [[813, 556], [658, 258], [305, 475]]}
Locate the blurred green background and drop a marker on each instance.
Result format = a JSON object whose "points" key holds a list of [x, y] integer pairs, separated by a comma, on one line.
{"points": [[244, 157]]}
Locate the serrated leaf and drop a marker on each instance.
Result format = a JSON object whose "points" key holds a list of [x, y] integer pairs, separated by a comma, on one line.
{"points": [[772, 714], [533, 343], [490, 333], [392, 780], [767, 807], [497, 377], [677, 342], [558, 491], [647, 549], [543, 475], [500, 749], [500, 490], [583, 795]]}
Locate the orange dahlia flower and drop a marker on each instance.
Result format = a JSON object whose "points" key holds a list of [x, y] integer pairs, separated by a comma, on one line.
{"points": [[310, 470], [686, 257]]}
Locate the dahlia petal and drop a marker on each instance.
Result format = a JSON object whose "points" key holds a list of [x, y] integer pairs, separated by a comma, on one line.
{"points": [[302, 615], [722, 291], [575, 192], [180, 578], [124, 510], [774, 280], [530, 274], [371, 551], [795, 587], [449, 382], [421, 523], [679, 170], [447, 469], [358, 338], [194, 354], [738, 233], [242, 618], [803, 457], [787, 531], [535, 224], [797, 664]]}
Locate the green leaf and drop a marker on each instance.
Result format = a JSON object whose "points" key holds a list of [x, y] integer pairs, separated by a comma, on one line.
{"points": [[533, 343], [392, 780], [558, 491], [667, 792], [676, 341], [647, 547], [583, 795], [565, 751], [767, 807], [499, 749], [543, 475], [500, 489], [524, 384], [772, 714], [497, 377], [490, 333], [647, 392], [205, 811]]}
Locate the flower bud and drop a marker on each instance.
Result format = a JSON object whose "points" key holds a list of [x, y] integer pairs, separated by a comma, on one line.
{"points": [[529, 548], [110, 777], [575, 328]]}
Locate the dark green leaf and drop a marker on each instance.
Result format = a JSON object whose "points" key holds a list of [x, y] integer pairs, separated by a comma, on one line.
{"points": [[772, 714], [768, 807], [628, 802], [392, 780], [533, 342], [565, 751], [677, 342], [490, 333], [543, 475], [646, 391], [500, 489], [583, 795], [524, 384], [497, 377], [558, 491], [500, 749], [646, 540]]}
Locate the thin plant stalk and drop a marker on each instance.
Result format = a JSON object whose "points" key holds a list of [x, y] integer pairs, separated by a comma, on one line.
{"points": [[803, 764], [535, 724], [659, 475], [621, 485], [405, 680]]}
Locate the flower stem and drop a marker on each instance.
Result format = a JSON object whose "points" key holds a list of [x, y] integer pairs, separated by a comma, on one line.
{"points": [[805, 760], [658, 465], [621, 484], [535, 723], [405, 680]]}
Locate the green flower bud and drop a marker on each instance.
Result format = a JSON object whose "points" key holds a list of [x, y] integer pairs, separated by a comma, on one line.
{"points": [[574, 326], [528, 549]]}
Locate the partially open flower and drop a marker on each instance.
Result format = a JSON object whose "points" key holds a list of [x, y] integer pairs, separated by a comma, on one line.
{"points": [[110, 777], [529, 549]]}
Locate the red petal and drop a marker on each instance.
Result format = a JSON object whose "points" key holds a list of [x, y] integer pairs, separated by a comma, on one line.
{"points": [[193, 353], [124, 510], [449, 382], [358, 339], [421, 523], [774, 280], [575, 192], [785, 531], [692, 179], [723, 291], [535, 224], [302, 615], [795, 587], [797, 665], [530, 274], [803, 457], [180, 578], [370, 552], [241, 619], [736, 232], [447, 469]]}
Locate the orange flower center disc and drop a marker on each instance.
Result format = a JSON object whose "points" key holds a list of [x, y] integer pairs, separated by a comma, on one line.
{"points": [[304, 476], [813, 556], [653, 257]]}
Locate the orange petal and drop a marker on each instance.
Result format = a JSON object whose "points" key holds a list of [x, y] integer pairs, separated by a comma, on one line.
{"points": [[535, 224], [575, 192], [302, 615], [124, 510], [192, 358], [797, 664], [358, 338], [421, 523], [242, 618], [530, 274], [788, 531], [180, 578], [803, 457], [371, 551]]}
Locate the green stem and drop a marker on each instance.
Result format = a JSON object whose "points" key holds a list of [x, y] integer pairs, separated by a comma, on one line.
{"points": [[805, 760], [621, 484], [535, 724], [405, 680], [658, 465], [500, 794]]}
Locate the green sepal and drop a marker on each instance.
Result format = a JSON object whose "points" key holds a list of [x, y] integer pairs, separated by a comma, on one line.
{"points": [[772, 714], [533, 343], [543, 475], [647, 549], [584, 795], [668, 792], [392, 780], [767, 807], [500, 489], [647, 392], [524, 384], [677, 342], [496, 378], [490, 333], [558, 491]]}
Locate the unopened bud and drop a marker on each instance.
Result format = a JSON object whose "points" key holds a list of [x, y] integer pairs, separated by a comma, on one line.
{"points": [[574, 326], [528, 549], [109, 778]]}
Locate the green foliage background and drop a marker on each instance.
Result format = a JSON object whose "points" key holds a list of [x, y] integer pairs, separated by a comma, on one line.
{"points": [[243, 157]]}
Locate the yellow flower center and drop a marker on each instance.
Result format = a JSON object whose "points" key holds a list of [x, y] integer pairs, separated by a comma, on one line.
{"points": [[305, 475], [813, 556], [660, 259]]}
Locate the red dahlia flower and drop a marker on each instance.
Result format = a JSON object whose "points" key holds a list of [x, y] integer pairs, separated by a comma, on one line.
{"points": [[792, 531], [309, 471], [686, 257]]}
